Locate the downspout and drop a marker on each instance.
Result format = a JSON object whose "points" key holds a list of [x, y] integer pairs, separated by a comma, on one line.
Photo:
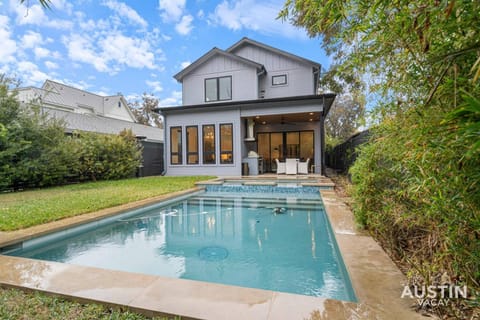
{"points": [[164, 144]]}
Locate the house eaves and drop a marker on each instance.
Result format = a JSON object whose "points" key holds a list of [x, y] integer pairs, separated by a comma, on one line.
{"points": [[326, 100], [215, 51], [247, 41]]}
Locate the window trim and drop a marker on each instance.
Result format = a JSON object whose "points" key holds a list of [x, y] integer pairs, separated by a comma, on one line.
{"points": [[279, 76], [191, 153], [179, 153], [231, 153], [204, 153], [218, 88]]}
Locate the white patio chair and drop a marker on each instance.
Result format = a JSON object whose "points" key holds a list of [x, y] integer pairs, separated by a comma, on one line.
{"points": [[280, 166], [303, 167], [291, 166]]}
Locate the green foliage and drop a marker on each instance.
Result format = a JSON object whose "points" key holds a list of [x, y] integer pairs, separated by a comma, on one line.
{"points": [[106, 157], [416, 184], [35, 152], [16, 304]]}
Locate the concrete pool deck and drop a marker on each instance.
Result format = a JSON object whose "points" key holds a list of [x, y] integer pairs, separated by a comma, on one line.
{"points": [[377, 282]]}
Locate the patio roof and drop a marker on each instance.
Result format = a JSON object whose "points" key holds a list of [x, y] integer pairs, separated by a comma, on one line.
{"points": [[325, 99]]}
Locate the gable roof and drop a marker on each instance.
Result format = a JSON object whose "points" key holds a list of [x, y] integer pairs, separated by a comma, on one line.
{"points": [[215, 51], [247, 41], [67, 97], [101, 124]]}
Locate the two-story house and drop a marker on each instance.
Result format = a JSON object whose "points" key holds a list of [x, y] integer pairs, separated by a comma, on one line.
{"points": [[250, 97], [81, 110]]}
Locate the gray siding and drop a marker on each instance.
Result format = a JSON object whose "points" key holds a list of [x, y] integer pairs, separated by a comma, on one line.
{"points": [[299, 75], [199, 119], [244, 80]]}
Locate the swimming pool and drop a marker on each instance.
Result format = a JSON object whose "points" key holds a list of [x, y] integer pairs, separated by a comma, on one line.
{"points": [[274, 241]]}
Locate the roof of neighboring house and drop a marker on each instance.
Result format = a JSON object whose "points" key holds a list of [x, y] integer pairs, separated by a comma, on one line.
{"points": [[215, 51], [100, 124], [326, 99], [70, 98], [247, 41]]}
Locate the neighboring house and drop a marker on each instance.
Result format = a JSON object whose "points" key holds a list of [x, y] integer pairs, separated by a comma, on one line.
{"points": [[86, 111], [250, 97]]}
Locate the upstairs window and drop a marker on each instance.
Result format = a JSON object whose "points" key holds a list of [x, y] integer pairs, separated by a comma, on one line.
{"points": [[218, 89], [279, 80]]}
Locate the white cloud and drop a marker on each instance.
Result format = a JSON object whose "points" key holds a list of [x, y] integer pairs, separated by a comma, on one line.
{"points": [[133, 52], [155, 85], [31, 73], [185, 64], [41, 53], [111, 52], [175, 99], [51, 65], [185, 25], [257, 16], [31, 39], [8, 46], [127, 12], [81, 49], [171, 10], [35, 14]]}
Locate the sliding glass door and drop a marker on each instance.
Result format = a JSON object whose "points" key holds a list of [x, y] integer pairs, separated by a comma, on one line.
{"points": [[282, 145]]}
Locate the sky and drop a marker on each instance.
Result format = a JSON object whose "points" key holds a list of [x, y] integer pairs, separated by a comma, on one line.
{"points": [[133, 47]]}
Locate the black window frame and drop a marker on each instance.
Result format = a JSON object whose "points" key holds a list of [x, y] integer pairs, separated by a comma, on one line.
{"points": [[217, 79], [226, 152], [191, 153], [205, 153], [179, 153], [278, 76]]}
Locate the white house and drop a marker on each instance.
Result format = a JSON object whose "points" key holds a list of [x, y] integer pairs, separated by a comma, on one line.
{"points": [[85, 111], [249, 97]]}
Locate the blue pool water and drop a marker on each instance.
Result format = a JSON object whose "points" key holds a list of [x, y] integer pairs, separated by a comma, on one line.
{"points": [[264, 240]]}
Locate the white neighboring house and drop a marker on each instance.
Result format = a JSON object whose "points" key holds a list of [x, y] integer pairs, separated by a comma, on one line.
{"points": [[85, 111]]}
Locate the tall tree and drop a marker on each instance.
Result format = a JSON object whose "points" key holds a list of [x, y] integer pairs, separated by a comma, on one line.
{"points": [[144, 111]]}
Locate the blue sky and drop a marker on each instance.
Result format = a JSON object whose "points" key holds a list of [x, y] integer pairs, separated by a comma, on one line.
{"points": [[131, 47]]}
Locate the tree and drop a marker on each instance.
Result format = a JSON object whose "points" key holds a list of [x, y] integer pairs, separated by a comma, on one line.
{"points": [[416, 183], [145, 112], [343, 118], [44, 3]]}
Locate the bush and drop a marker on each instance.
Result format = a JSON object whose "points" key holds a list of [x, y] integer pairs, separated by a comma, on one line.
{"points": [[417, 191], [35, 152]]}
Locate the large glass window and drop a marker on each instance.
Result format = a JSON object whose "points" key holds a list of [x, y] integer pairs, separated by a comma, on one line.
{"points": [[176, 145], [192, 145], [218, 89], [226, 143], [208, 144]]}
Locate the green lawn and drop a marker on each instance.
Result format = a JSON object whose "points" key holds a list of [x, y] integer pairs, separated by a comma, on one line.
{"points": [[16, 304], [28, 208]]}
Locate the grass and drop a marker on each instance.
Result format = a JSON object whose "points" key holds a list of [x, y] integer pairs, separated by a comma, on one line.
{"points": [[16, 304], [24, 209]]}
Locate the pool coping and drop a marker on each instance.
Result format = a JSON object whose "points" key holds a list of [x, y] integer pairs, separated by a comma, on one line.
{"points": [[377, 282]]}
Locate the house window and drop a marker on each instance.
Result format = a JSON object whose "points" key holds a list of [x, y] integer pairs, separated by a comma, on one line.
{"points": [[226, 143], [218, 89], [209, 144], [192, 145], [176, 145], [279, 80]]}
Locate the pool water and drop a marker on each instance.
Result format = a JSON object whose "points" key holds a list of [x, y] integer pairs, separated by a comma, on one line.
{"points": [[279, 243]]}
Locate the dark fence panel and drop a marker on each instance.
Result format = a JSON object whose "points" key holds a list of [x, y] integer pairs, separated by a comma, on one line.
{"points": [[152, 159], [343, 155]]}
